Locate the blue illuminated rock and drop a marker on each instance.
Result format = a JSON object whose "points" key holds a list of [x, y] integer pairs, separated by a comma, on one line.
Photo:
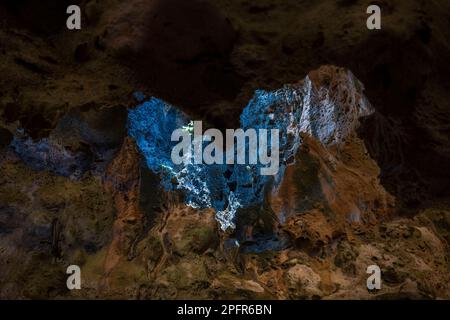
{"points": [[326, 105]]}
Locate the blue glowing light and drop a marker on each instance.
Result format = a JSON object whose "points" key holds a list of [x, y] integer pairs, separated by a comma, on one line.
{"points": [[226, 188]]}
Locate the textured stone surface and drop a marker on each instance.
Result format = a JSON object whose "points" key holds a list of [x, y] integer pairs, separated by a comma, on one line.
{"points": [[326, 105], [74, 88]]}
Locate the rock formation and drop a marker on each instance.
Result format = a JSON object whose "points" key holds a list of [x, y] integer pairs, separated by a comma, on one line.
{"points": [[360, 184]]}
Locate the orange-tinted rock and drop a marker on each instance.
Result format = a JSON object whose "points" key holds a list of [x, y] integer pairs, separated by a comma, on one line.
{"points": [[341, 182], [122, 179]]}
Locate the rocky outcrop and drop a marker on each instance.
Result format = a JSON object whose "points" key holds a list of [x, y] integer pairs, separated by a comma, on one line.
{"points": [[83, 140], [122, 180], [326, 105], [73, 188], [340, 184], [47, 222]]}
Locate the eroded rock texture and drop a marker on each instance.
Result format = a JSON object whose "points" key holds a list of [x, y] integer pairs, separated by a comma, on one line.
{"points": [[362, 183], [326, 106]]}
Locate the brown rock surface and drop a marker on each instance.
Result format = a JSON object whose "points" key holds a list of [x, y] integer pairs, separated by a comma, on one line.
{"points": [[381, 197], [122, 180]]}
